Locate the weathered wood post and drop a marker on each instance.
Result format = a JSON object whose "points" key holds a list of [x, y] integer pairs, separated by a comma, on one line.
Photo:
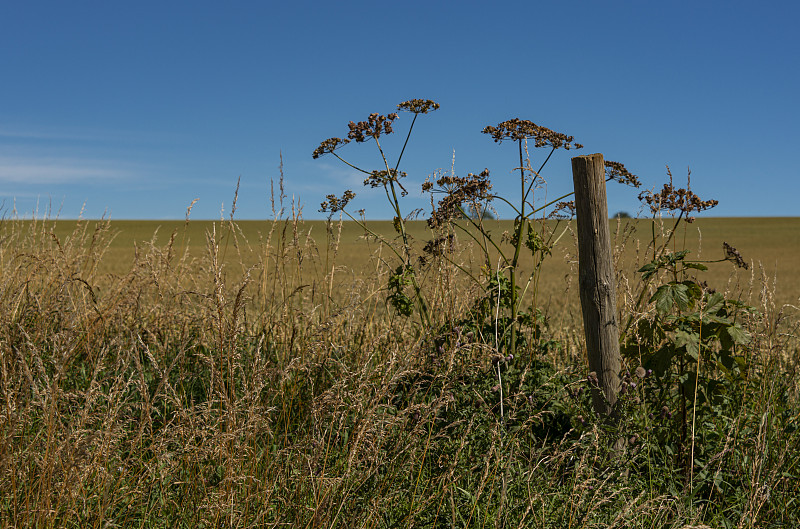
{"points": [[596, 279]]}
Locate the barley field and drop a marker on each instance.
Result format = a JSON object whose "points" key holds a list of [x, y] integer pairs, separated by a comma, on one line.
{"points": [[256, 374]]}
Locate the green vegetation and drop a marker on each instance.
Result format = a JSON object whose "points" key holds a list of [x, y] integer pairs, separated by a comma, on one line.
{"points": [[360, 374]]}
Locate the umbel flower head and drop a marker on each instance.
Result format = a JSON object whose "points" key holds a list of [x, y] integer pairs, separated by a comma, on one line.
{"points": [[373, 127], [418, 106], [334, 203], [522, 129], [671, 199], [457, 189], [381, 178], [329, 145], [616, 171], [563, 210]]}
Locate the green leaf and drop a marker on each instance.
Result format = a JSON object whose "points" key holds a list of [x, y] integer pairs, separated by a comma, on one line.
{"points": [[736, 334], [689, 341], [715, 302], [693, 290], [713, 318], [677, 256], [672, 294], [663, 299], [648, 270], [727, 360], [696, 266], [680, 294]]}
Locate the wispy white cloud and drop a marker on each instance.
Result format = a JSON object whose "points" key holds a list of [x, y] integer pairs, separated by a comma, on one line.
{"points": [[61, 134], [34, 170]]}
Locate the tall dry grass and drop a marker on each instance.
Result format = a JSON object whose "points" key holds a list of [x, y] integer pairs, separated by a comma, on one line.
{"points": [[190, 391]]}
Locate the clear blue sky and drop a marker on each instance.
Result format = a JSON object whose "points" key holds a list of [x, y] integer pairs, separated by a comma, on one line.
{"points": [[137, 108]]}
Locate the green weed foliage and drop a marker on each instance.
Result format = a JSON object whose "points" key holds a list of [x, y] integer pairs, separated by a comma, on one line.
{"points": [[436, 391]]}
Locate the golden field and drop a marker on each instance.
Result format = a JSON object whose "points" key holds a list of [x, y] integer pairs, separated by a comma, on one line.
{"points": [[770, 245]]}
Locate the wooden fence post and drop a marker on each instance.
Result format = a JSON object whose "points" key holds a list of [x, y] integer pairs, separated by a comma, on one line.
{"points": [[598, 288]]}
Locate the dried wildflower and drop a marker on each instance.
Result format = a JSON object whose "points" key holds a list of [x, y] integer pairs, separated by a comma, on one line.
{"points": [[334, 204], [427, 185], [617, 171], [473, 188], [706, 288], [732, 254], [671, 199], [640, 372], [381, 178], [522, 129], [563, 210], [375, 125], [437, 247], [329, 145], [418, 106]]}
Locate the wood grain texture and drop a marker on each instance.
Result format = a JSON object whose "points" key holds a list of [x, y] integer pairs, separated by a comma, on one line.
{"points": [[596, 280]]}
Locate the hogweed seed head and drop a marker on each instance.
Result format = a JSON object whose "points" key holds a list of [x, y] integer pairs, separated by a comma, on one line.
{"points": [[563, 210], [457, 190], [672, 199], [334, 203], [522, 129], [381, 178], [373, 127], [732, 254], [328, 146], [418, 106], [437, 247], [617, 171]]}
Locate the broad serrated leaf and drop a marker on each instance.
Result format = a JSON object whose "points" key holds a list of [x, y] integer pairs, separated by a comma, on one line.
{"points": [[689, 341], [663, 299], [715, 302], [681, 295], [737, 334], [713, 318]]}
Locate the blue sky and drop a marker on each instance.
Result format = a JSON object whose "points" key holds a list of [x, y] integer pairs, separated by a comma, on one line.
{"points": [[135, 109]]}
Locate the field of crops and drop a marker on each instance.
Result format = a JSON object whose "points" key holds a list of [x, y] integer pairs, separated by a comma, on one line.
{"points": [[771, 245], [291, 374]]}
